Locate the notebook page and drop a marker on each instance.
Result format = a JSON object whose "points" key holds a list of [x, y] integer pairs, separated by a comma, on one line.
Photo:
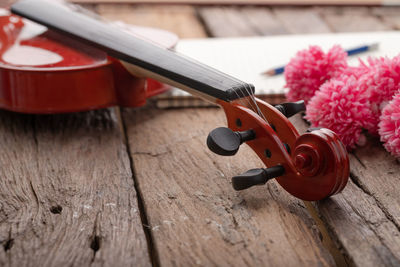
{"points": [[246, 58]]}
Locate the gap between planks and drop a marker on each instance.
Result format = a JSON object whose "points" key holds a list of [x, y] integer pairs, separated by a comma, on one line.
{"points": [[155, 260]]}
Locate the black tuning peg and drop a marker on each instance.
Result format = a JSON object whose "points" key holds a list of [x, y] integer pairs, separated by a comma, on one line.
{"points": [[256, 177], [223, 141], [292, 108]]}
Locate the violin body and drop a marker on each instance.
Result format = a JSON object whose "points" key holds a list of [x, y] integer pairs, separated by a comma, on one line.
{"points": [[43, 71], [311, 166]]}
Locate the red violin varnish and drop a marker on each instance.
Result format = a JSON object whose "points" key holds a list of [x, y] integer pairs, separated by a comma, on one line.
{"points": [[311, 166], [45, 72]]}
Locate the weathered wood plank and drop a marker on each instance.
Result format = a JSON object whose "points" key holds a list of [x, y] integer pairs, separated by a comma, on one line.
{"points": [[341, 19], [389, 15], [263, 21], [246, 21], [252, 2], [300, 20], [363, 231], [378, 174], [195, 216], [179, 19], [226, 22], [340, 10], [67, 193], [233, 21], [384, 11], [364, 218]]}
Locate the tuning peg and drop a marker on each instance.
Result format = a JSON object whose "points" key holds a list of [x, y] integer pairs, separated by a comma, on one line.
{"points": [[223, 141], [256, 177], [291, 108]]}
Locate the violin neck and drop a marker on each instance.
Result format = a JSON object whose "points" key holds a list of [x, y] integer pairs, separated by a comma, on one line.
{"points": [[139, 56]]}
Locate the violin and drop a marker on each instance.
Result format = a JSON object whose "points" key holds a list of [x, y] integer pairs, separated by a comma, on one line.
{"points": [[40, 67], [311, 166]]}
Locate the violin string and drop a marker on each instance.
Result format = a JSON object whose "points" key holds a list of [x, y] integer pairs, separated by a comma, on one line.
{"points": [[257, 108], [242, 100], [253, 103]]}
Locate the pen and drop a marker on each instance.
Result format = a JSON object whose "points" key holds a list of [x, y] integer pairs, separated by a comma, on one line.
{"points": [[350, 52]]}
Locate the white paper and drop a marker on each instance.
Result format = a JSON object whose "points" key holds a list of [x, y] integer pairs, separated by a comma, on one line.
{"points": [[246, 58]]}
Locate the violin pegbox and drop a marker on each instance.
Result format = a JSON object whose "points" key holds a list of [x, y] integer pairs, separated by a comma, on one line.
{"points": [[311, 166]]}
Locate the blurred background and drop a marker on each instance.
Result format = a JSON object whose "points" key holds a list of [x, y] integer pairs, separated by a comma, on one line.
{"points": [[207, 18]]}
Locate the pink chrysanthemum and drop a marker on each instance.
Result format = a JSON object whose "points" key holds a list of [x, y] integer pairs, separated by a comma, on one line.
{"points": [[389, 126], [381, 82], [339, 105], [357, 71], [310, 68]]}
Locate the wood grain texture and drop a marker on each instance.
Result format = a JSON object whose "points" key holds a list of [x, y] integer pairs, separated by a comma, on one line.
{"points": [[340, 19], [363, 231], [195, 216], [384, 11], [263, 20], [340, 10], [363, 220], [179, 19], [300, 20], [378, 173], [390, 16], [246, 21], [226, 22], [67, 193], [251, 2]]}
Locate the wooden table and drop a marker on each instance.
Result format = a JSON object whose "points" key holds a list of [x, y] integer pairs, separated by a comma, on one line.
{"points": [[120, 187]]}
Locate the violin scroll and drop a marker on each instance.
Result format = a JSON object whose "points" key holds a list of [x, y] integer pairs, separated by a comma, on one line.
{"points": [[311, 166], [320, 154]]}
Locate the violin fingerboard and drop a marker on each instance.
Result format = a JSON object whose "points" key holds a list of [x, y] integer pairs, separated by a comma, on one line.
{"points": [[165, 64]]}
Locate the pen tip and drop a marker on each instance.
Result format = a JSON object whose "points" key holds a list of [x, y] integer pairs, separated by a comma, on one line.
{"points": [[269, 72], [374, 46]]}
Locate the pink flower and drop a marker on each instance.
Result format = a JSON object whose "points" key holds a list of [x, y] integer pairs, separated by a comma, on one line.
{"points": [[357, 71], [342, 107], [381, 82], [389, 126], [310, 68]]}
